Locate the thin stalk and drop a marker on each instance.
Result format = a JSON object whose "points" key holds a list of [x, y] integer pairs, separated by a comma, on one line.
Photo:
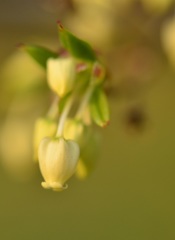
{"points": [[63, 116], [85, 101]]}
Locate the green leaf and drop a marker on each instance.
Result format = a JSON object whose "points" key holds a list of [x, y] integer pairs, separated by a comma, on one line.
{"points": [[40, 54], [78, 48], [99, 107]]}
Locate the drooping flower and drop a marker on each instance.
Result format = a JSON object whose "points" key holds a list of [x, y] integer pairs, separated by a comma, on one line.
{"points": [[58, 160], [61, 74]]}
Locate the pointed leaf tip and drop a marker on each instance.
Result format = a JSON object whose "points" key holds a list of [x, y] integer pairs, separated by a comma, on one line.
{"points": [[39, 54], [106, 124], [20, 45], [60, 26], [77, 47]]}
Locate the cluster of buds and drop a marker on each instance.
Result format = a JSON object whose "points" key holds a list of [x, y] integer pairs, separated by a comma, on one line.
{"points": [[65, 141]]}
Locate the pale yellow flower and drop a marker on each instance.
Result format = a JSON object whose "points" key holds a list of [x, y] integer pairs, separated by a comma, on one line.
{"points": [[58, 160], [75, 130], [61, 75]]}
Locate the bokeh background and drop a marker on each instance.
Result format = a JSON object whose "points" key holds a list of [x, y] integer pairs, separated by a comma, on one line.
{"points": [[130, 195]]}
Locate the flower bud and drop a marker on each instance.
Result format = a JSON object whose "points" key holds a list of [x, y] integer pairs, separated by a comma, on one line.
{"points": [[76, 130], [44, 127], [57, 160], [61, 75]]}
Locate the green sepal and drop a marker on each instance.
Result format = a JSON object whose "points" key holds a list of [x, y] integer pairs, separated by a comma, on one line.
{"points": [[99, 107], [77, 47], [39, 54]]}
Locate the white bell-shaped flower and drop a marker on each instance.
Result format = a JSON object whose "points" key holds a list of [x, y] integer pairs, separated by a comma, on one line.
{"points": [[61, 74], [58, 160]]}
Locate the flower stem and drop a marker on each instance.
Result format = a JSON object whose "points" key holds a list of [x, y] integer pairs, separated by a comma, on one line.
{"points": [[63, 117], [85, 101]]}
